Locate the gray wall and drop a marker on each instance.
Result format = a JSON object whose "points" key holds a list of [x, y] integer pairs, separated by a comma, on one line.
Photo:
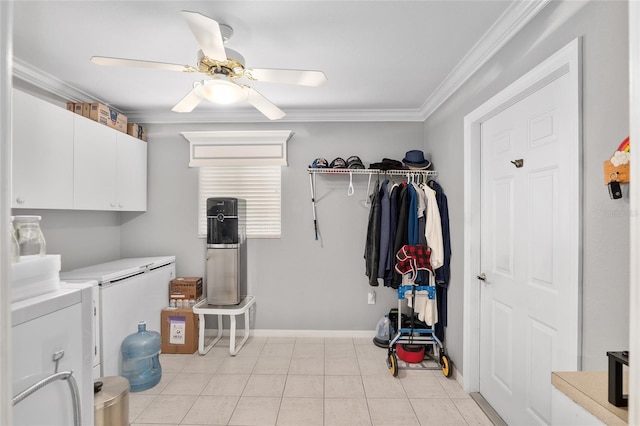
{"points": [[603, 27], [82, 238], [299, 283]]}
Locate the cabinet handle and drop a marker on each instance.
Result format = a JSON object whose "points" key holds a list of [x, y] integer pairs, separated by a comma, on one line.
{"points": [[113, 204], [120, 205], [20, 200]]}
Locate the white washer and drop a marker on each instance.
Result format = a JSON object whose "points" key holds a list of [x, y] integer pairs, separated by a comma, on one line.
{"points": [[56, 322]]}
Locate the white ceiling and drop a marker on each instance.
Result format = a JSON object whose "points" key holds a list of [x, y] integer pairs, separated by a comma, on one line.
{"points": [[381, 58]]}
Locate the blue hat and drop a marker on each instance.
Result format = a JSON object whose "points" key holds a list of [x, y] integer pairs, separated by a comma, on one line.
{"points": [[414, 159], [319, 163]]}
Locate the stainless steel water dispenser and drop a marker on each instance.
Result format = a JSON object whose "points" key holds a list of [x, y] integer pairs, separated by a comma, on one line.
{"points": [[226, 274]]}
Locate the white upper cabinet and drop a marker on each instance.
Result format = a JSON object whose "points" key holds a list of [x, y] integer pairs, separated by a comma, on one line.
{"points": [[110, 168], [42, 159], [62, 160], [131, 173], [95, 156]]}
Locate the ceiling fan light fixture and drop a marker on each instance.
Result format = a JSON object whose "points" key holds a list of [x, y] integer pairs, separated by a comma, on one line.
{"points": [[222, 92]]}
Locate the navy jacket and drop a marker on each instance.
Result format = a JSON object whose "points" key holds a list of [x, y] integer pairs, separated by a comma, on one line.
{"points": [[443, 273]]}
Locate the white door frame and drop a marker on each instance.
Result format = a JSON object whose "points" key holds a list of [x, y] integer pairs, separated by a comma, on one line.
{"points": [[6, 62], [566, 61], [634, 195]]}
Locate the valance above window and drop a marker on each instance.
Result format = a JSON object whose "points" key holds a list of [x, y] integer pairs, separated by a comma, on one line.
{"points": [[238, 148]]}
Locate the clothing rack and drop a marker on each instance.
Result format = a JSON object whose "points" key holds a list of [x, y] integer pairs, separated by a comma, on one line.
{"points": [[410, 174]]}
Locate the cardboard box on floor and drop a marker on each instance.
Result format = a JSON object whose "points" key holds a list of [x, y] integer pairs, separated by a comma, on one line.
{"points": [[180, 331]]}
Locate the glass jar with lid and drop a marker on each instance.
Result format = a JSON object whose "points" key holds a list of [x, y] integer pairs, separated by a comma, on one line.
{"points": [[15, 247], [29, 235]]}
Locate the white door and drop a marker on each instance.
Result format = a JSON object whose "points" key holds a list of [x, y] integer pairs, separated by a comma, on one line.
{"points": [[527, 302]]}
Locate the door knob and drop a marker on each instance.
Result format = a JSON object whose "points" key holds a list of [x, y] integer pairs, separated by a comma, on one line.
{"points": [[482, 277]]}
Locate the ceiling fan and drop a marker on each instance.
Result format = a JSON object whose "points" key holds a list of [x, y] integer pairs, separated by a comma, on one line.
{"points": [[225, 67]]}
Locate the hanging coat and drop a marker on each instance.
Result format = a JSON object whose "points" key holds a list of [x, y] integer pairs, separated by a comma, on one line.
{"points": [[401, 229], [390, 259], [385, 227], [433, 229], [372, 246], [443, 273], [413, 230], [422, 213]]}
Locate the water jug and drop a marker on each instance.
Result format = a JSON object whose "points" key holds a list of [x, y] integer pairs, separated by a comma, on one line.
{"points": [[141, 358], [382, 329]]}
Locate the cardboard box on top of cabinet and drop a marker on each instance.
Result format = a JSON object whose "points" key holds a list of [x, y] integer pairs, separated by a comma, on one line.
{"points": [[71, 106], [107, 116], [180, 331], [137, 131], [186, 287]]}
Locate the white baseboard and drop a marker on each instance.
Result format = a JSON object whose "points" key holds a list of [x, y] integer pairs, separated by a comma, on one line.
{"points": [[458, 377]]}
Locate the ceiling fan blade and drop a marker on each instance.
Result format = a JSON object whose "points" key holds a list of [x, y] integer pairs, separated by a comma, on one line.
{"points": [[301, 77], [263, 105], [189, 102], [120, 62], [207, 32]]}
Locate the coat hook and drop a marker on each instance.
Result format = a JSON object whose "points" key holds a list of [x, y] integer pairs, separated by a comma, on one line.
{"points": [[518, 163]]}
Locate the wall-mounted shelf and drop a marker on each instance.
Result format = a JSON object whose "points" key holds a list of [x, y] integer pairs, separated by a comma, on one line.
{"points": [[406, 172]]}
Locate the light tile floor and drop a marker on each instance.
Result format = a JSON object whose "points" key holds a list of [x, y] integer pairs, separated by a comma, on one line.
{"points": [[300, 382]]}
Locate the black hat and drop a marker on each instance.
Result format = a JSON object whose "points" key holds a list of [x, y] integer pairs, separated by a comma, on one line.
{"points": [[415, 160], [354, 162], [387, 164], [338, 163]]}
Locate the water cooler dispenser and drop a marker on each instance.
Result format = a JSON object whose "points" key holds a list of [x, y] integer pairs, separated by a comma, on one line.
{"points": [[226, 277]]}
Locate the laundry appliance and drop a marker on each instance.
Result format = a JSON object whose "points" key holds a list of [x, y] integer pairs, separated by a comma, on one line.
{"points": [[226, 272], [51, 357], [130, 290]]}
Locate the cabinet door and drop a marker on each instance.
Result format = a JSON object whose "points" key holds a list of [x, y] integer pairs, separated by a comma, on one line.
{"points": [[132, 173], [95, 153], [42, 159]]}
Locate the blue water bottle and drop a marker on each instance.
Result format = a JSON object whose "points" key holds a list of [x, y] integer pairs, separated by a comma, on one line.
{"points": [[141, 358]]}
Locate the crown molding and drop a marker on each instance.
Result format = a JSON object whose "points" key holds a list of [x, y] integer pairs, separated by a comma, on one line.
{"points": [[344, 115], [517, 15], [28, 73]]}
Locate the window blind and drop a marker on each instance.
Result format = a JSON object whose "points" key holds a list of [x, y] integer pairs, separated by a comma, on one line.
{"points": [[259, 186]]}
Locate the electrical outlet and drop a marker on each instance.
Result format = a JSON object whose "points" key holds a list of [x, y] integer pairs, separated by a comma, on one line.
{"points": [[372, 298]]}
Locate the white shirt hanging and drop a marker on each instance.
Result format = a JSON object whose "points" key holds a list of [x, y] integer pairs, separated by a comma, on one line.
{"points": [[433, 228]]}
